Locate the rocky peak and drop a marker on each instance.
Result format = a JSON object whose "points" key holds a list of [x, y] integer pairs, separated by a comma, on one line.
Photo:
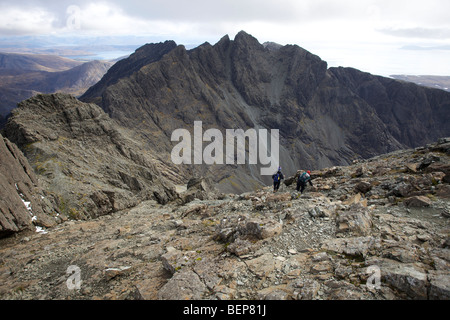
{"points": [[152, 49], [225, 40], [325, 116], [89, 165], [54, 116], [144, 55], [244, 39]]}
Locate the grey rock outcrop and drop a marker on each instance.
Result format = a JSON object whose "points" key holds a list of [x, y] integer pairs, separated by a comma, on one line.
{"points": [[22, 202], [88, 164]]}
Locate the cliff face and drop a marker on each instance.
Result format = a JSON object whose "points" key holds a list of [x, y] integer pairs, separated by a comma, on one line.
{"points": [[144, 55], [22, 201], [412, 114], [86, 161], [325, 116]]}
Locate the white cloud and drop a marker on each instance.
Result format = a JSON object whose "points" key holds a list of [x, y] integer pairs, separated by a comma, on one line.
{"points": [[360, 30], [343, 18], [103, 19], [418, 32], [16, 21]]}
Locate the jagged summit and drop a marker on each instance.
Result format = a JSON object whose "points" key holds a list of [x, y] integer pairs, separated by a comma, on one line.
{"points": [[243, 36], [272, 45], [126, 67], [326, 116]]}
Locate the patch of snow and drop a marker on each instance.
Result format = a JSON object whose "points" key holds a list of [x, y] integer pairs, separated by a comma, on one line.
{"points": [[27, 205], [41, 230]]}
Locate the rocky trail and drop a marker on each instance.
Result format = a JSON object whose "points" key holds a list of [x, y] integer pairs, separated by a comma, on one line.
{"points": [[378, 229]]}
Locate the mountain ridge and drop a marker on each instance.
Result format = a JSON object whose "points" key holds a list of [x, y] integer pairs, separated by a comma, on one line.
{"points": [[87, 163], [88, 192], [326, 116], [35, 62], [23, 76]]}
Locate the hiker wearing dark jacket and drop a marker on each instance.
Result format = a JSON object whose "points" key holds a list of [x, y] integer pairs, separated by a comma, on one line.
{"points": [[303, 179], [277, 177]]}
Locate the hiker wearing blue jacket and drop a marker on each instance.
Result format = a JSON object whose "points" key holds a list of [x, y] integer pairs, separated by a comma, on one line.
{"points": [[304, 178], [277, 177]]}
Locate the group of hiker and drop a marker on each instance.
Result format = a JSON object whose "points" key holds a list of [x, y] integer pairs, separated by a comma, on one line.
{"points": [[304, 177]]}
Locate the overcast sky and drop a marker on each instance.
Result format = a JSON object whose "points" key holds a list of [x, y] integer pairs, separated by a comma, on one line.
{"points": [[379, 36]]}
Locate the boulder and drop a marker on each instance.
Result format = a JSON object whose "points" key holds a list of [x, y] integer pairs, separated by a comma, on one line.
{"points": [[357, 221], [439, 285], [197, 183], [443, 191], [429, 159], [412, 167], [183, 286], [409, 279], [356, 199], [240, 247], [319, 212], [363, 187], [263, 265], [242, 227], [198, 188], [403, 189], [111, 273], [358, 246], [417, 201]]}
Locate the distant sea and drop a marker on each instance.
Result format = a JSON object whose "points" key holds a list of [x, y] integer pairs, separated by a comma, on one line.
{"points": [[102, 55]]}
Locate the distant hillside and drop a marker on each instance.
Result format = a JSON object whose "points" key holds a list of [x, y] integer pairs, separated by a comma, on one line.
{"points": [[24, 75], [437, 82], [74, 81], [35, 62]]}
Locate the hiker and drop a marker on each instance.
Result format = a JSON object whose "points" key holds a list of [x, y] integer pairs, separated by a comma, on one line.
{"points": [[277, 179], [304, 178]]}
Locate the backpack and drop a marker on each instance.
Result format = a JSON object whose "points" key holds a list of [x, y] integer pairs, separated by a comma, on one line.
{"points": [[304, 177], [276, 177]]}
